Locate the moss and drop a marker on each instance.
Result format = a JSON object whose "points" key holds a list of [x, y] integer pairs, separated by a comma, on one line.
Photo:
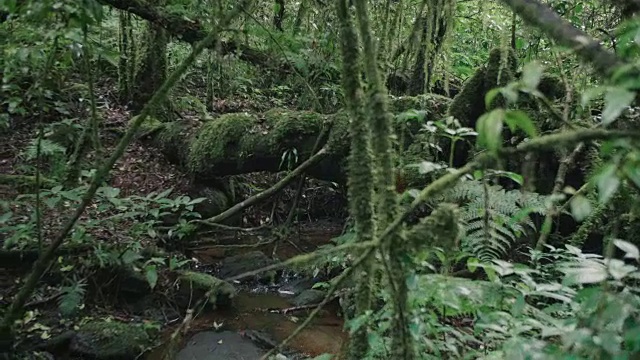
{"points": [[498, 74], [110, 340], [468, 105], [339, 139], [440, 229], [222, 292], [552, 87], [150, 125], [290, 127], [219, 138]]}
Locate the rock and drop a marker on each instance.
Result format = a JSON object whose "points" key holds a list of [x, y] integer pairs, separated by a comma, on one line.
{"points": [[109, 340], [194, 285], [209, 345], [309, 297], [239, 264], [296, 287], [261, 339]]}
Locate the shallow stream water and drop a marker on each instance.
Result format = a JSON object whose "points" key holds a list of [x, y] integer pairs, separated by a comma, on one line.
{"points": [[253, 324]]}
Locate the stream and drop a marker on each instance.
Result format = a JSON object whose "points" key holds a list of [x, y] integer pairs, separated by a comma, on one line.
{"points": [[254, 325]]}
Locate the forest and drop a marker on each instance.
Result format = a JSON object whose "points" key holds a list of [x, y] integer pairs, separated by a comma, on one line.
{"points": [[319, 179]]}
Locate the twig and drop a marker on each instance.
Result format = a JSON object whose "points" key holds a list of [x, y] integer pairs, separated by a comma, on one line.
{"points": [[269, 192]]}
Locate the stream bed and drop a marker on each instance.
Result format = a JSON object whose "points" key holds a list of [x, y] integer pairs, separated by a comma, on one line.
{"points": [[257, 321]]}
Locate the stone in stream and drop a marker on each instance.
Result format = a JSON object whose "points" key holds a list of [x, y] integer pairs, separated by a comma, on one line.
{"points": [[239, 264], [108, 340], [228, 345], [309, 297]]}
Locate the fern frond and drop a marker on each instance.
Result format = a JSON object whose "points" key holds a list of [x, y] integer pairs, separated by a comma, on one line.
{"points": [[503, 209], [47, 148], [72, 298]]}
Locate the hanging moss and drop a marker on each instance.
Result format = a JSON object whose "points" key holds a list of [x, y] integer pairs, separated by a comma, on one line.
{"points": [[440, 229]]}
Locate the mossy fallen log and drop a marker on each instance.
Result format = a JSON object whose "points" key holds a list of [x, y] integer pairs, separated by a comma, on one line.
{"points": [[240, 143]]}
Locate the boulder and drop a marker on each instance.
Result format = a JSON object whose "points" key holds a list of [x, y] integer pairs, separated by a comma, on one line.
{"points": [[110, 340]]}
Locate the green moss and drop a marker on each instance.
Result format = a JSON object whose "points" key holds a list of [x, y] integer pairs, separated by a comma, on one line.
{"points": [[440, 229], [222, 292], [110, 340], [290, 127], [552, 87], [468, 105], [151, 124], [339, 139], [219, 138]]}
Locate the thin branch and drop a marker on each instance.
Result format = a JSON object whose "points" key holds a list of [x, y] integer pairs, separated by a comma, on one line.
{"points": [[16, 308], [270, 191], [559, 29]]}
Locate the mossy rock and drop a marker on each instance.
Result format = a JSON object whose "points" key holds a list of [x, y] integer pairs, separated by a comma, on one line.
{"points": [[110, 340], [194, 285]]}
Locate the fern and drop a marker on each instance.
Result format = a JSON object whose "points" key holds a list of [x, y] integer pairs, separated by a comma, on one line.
{"points": [[71, 298], [47, 148], [507, 218]]}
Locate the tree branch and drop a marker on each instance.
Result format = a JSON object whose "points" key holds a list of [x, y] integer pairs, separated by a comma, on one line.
{"points": [[559, 29], [190, 31]]}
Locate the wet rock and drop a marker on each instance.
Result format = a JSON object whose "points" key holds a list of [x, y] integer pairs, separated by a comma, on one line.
{"points": [[296, 287], [239, 264], [261, 339], [109, 340], [309, 297], [227, 345], [194, 285]]}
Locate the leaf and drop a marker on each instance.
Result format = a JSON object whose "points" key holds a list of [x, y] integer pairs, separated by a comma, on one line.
{"points": [[323, 357], [426, 167], [531, 75], [591, 94], [491, 94], [151, 274], [130, 256], [519, 119], [589, 273], [631, 251], [489, 129], [607, 182], [616, 100], [580, 207], [5, 217]]}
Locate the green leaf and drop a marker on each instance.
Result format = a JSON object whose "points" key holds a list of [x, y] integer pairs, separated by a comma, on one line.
{"points": [[519, 119], [616, 100], [323, 357], [580, 207], [489, 129], [151, 273], [631, 251], [426, 167], [130, 256], [591, 94], [531, 75], [589, 272], [491, 94], [5, 217], [608, 183]]}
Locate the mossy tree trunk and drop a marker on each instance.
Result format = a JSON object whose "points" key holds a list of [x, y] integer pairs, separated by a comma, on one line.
{"points": [[241, 143], [153, 70]]}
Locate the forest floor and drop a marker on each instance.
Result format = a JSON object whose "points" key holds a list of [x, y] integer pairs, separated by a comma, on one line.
{"points": [[139, 172]]}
